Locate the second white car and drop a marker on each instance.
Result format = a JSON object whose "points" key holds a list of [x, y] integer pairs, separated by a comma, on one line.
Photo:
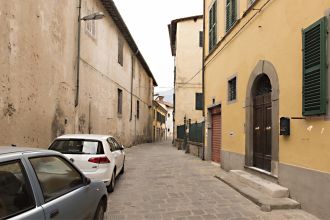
{"points": [[99, 157]]}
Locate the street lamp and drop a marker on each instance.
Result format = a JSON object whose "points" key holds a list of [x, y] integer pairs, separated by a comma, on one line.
{"points": [[93, 16]]}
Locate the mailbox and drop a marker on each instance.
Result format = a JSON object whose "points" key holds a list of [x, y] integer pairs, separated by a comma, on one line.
{"points": [[284, 126]]}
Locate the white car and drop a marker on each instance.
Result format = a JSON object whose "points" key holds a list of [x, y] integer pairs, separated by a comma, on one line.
{"points": [[99, 157]]}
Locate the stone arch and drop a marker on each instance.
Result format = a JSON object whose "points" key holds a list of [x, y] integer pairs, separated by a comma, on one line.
{"points": [[263, 67]]}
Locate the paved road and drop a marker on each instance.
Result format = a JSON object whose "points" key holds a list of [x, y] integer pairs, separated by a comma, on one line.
{"points": [[163, 183]]}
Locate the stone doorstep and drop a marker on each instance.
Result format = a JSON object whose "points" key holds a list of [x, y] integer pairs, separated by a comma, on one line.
{"points": [[272, 189], [261, 199]]}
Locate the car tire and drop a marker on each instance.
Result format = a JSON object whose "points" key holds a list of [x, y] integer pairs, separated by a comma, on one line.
{"points": [[122, 171], [99, 214], [112, 184]]}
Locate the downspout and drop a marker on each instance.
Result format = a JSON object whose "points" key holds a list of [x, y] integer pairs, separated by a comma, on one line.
{"points": [[132, 73], [203, 81], [78, 56]]}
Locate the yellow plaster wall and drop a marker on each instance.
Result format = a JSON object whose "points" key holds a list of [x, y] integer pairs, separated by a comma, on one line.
{"points": [[273, 35]]}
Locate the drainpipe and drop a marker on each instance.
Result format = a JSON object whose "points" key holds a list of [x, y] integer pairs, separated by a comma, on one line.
{"points": [[132, 73], [203, 81], [78, 55]]}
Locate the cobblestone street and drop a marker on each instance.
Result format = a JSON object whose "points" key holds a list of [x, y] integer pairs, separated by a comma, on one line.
{"points": [[161, 182]]}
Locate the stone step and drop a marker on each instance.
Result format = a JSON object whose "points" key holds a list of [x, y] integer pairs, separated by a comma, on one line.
{"points": [[272, 189], [266, 202]]}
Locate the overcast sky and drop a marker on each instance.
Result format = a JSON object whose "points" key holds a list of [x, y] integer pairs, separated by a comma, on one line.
{"points": [[147, 21]]}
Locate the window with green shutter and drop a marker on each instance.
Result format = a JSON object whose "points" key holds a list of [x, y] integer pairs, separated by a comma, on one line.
{"points": [[213, 26], [231, 13], [315, 68]]}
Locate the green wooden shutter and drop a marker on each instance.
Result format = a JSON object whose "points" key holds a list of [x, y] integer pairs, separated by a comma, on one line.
{"points": [[214, 23], [210, 28], [228, 7], [231, 13], [213, 26], [315, 68]]}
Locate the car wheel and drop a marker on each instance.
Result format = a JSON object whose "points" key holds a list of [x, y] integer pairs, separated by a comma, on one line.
{"points": [[112, 184], [123, 168], [99, 214]]}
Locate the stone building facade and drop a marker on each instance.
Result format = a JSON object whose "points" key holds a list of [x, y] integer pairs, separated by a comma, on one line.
{"points": [[39, 74]]}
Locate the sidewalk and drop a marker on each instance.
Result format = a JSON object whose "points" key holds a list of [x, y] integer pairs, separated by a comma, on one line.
{"points": [[161, 182]]}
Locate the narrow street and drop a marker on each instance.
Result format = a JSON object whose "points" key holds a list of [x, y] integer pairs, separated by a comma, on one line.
{"points": [[161, 182]]}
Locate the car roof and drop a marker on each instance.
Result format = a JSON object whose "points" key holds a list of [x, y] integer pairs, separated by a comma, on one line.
{"points": [[84, 136], [8, 150]]}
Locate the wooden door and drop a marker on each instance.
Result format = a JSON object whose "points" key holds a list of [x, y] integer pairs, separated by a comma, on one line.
{"points": [[262, 135], [216, 134]]}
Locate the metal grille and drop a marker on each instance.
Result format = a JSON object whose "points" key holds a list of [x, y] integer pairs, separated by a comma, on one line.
{"points": [[181, 133], [196, 132]]}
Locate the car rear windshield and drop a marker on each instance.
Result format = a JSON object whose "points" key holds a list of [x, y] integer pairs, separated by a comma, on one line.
{"points": [[77, 146]]}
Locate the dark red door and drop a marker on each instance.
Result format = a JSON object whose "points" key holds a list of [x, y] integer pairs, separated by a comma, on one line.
{"points": [[262, 145], [216, 134]]}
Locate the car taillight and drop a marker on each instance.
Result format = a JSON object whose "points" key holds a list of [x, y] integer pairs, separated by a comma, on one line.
{"points": [[99, 160]]}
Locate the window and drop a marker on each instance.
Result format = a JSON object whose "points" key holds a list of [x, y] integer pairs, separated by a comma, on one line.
{"points": [[120, 50], [111, 144], [74, 146], [201, 37], [15, 192], [199, 101], [231, 13], [160, 118], [137, 109], [232, 89], [315, 68], [120, 101], [213, 26], [117, 145], [56, 176], [250, 2]]}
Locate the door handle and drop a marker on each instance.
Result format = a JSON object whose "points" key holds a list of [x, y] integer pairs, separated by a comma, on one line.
{"points": [[257, 128], [268, 128], [54, 213]]}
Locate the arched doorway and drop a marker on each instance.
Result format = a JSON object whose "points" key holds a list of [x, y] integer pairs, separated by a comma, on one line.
{"points": [[262, 118], [262, 123]]}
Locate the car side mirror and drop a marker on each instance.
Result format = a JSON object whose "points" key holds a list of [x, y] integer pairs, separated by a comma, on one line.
{"points": [[87, 181], [122, 147]]}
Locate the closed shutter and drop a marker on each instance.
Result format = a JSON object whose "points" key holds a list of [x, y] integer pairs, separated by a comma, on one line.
{"points": [[315, 68], [231, 13], [213, 26], [216, 134]]}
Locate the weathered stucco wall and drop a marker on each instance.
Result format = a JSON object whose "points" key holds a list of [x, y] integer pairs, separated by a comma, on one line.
{"points": [[37, 70], [38, 76], [188, 62]]}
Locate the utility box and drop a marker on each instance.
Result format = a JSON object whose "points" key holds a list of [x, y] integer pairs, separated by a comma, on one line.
{"points": [[285, 126]]}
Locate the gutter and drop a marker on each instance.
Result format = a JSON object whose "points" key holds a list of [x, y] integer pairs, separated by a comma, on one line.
{"points": [[203, 80]]}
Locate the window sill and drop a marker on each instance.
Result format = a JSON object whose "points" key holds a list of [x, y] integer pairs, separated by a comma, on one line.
{"points": [[229, 102]]}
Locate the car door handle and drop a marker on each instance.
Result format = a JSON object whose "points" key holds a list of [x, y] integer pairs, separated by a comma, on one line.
{"points": [[54, 213]]}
